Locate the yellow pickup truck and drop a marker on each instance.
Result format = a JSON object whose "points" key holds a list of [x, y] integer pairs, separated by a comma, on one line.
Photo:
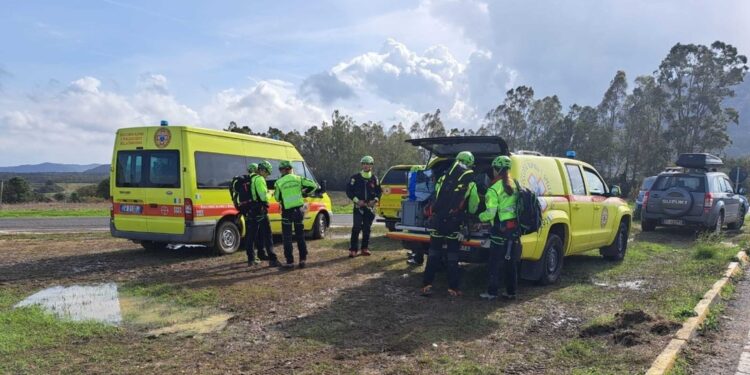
{"points": [[580, 211]]}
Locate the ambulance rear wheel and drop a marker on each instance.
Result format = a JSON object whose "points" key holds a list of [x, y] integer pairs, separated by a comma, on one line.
{"points": [[227, 238]]}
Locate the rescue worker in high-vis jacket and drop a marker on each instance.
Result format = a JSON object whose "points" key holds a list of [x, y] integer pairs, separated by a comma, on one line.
{"points": [[501, 200], [290, 190], [364, 190], [257, 223], [242, 198], [455, 195]]}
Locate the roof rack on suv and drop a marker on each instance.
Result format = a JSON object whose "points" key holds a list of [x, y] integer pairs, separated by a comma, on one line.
{"points": [[699, 161]]}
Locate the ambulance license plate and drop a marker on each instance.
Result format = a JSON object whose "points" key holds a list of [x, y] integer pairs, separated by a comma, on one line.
{"points": [[131, 209], [672, 222]]}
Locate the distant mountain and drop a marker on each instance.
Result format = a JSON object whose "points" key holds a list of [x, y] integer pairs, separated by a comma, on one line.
{"points": [[51, 167], [102, 169], [740, 135]]}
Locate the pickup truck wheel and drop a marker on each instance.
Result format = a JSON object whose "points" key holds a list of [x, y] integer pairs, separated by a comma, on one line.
{"points": [[153, 245], [740, 221], [226, 238], [616, 250], [648, 225], [552, 260], [320, 228]]}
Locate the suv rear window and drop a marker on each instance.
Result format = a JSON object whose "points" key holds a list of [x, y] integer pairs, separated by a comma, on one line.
{"points": [[157, 168], [647, 183], [693, 184], [395, 176]]}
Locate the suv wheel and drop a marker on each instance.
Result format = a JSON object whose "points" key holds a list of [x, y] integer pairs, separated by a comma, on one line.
{"points": [[648, 225], [740, 221], [226, 238], [719, 223], [552, 260], [616, 250]]}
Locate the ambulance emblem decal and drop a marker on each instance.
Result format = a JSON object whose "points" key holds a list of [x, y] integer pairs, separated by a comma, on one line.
{"points": [[162, 137]]}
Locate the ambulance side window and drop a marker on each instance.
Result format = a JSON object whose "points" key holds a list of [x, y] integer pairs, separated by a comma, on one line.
{"points": [[576, 179]]}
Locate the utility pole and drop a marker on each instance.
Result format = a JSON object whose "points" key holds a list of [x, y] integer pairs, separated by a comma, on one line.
{"points": [[1, 193]]}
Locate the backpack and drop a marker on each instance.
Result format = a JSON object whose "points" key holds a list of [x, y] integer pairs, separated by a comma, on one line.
{"points": [[240, 189], [528, 210], [451, 200]]}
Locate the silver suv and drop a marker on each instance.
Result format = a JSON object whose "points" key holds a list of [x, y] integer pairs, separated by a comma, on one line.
{"points": [[698, 196]]}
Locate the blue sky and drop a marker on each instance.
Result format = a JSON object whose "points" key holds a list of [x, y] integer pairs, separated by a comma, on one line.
{"points": [[72, 72]]}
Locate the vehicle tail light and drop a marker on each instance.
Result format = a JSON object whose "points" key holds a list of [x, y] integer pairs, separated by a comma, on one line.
{"points": [[708, 202], [645, 200], [188, 209], [111, 207]]}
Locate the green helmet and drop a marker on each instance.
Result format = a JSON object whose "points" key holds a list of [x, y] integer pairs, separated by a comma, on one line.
{"points": [[367, 159], [465, 157], [502, 162], [265, 165], [285, 164], [252, 167]]}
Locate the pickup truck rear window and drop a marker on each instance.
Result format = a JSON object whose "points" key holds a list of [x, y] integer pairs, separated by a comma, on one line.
{"points": [[154, 169], [395, 177], [693, 184]]}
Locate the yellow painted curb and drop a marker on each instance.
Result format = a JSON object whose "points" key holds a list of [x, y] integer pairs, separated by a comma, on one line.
{"points": [[666, 359]]}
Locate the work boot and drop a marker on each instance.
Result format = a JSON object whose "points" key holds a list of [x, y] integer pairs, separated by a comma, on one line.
{"points": [[287, 266], [488, 297], [274, 263], [352, 253], [426, 291], [301, 264], [262, 256], [366, 252], [413, 262], [455, 293]]}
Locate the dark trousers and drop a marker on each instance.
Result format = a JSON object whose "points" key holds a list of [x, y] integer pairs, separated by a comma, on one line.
{"points": [[498, 251], [362, 221], [292, 219], [447, 257], [258, 234]]}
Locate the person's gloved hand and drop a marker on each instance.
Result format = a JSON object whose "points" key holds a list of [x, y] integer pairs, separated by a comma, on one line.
{"points": [[361, 204]]}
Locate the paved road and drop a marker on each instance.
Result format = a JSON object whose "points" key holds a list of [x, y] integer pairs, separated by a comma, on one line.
{"points": [[85, 224]]}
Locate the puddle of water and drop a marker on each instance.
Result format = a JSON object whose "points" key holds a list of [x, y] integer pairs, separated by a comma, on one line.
{"points": [[78, 303], [103, 303]]}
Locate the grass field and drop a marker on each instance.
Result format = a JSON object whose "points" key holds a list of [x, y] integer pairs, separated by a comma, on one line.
{"points": [[353, 316], [58, 209]]}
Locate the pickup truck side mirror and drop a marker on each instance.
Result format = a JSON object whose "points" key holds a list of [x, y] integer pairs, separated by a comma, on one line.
{"points": [[615, 191], [742, 191]]}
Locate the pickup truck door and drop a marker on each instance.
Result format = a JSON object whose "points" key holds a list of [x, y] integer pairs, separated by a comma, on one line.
{"points": [[581, 210], [602, 226]]}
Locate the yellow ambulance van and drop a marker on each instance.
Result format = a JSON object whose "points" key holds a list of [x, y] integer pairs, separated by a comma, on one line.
{"points": [[393, 184], [170, 184]]}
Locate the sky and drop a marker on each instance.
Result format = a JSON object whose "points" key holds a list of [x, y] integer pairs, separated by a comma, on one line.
{"points": [[72, 72]]}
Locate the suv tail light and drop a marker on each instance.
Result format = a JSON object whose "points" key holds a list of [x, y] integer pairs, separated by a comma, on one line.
{"points": [[708, 202], [188, 209], [645, 201]]}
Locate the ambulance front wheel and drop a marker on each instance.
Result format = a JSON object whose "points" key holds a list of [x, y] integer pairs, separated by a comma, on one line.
{"points": [[227, 238], [320, 226]]}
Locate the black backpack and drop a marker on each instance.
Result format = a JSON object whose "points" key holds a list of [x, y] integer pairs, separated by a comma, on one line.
{"points": [[528, 210], [240, 189], [451, 200]]}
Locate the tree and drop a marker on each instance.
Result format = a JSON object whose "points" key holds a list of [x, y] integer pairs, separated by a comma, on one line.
{"points": [[49, 187], [610, 119], [545, 115], [697, 79], [17, 190], [102, 189], [510, 119]]}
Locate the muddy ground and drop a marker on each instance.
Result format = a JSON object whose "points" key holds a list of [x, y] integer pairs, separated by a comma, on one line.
{"points": [[362, 315]]}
